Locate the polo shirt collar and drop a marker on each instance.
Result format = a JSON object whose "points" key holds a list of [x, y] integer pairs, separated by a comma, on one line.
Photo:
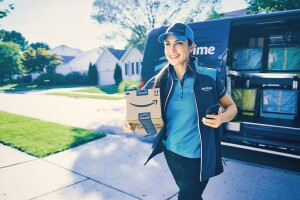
{"points": [[188, 72]]}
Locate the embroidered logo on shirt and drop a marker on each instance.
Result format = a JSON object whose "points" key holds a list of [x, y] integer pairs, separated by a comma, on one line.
{"points": [[206, 89]]}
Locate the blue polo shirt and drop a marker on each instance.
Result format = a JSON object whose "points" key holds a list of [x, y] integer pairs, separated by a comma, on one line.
{"points": [[182, 125]]}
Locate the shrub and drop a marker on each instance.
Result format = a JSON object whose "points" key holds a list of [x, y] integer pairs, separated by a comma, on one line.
{"points": [[75, 78], [129, 85], [54, 79], [26, 78], [93, 74], [118, 74]]}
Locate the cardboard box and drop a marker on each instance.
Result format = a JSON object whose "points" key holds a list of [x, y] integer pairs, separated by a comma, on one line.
{"points": [[143, 109]]}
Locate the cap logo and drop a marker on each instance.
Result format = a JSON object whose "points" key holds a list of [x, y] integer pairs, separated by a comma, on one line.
{"points": [[180, 31]]}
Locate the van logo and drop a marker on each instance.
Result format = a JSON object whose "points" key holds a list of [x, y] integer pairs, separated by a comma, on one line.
{"points": [[205, 50], [145, 105], [206, 89]]}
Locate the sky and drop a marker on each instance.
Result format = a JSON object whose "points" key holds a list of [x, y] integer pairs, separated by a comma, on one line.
{"points": [[67, 22]]}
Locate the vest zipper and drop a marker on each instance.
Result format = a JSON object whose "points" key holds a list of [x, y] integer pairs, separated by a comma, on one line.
{"points": [[195, 77], [168, 95]]}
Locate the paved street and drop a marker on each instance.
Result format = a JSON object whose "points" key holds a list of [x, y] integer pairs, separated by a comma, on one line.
{"points": [[112, 167]]}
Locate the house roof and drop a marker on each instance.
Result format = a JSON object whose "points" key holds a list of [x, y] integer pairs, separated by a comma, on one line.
{"points": [[66, 59], [64, 50], [117, 53], [128, 52], [80, 62], [236, 13]]}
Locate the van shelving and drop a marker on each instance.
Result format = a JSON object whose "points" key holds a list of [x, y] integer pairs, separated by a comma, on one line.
{"points": [[267, 130]]}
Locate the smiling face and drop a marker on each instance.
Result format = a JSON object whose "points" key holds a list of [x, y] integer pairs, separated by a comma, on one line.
{"points": [[177, 52]]}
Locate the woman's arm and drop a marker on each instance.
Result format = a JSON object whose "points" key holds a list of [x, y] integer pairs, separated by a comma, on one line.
{"points": [[229, 113]]}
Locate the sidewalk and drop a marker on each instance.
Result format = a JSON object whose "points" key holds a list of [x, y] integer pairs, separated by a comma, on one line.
{"points": [[108, 168], [112, 168]]}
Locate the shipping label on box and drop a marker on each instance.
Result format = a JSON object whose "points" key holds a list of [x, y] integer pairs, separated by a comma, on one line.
{"points": [[143, 110]]}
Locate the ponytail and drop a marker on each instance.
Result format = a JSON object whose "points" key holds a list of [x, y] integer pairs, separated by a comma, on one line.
{"points": [[160, 75]]}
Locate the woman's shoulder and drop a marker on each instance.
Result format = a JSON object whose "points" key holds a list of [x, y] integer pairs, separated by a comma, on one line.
{"points": [[206, 71], [210, 72]]}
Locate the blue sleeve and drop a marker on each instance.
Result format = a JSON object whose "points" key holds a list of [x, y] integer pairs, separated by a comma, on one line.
{"points": [[221, 91]]}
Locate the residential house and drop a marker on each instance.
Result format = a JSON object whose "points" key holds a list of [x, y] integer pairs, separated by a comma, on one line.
{"points": [[64, 50], [75, 60], [106, 64], [129, 61], [236, 13], [131, 64], [78, 62]]}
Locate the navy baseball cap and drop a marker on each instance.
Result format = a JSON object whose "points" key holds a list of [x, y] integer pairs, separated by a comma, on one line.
{"points": [[179, 31]]}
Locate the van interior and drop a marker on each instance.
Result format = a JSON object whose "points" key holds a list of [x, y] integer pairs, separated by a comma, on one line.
{"points": [[263, 71]]}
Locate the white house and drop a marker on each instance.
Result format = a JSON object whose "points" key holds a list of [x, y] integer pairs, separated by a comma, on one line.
{"points": [[75, 60], [129, 61], [131, 64], [106, 64], [78, 63], [64, 50]]}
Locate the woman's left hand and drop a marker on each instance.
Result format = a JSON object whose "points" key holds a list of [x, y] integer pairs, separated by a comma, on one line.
{"points": [[215, 120]]}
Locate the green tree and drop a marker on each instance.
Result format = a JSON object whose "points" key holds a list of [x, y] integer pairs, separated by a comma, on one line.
{"points": [[118, 74], [93, 74], [39, 45], [133, 18], [259, 6], [10, 62], [6, 11], [15, 37], [215, 15], [39, 60], [136, 41]]}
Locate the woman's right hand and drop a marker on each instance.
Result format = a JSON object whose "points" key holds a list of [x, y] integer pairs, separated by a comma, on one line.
{"points": [[127, 127]]}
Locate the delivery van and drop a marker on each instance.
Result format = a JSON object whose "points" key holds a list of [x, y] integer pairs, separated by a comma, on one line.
{"points": [[258, 60]]}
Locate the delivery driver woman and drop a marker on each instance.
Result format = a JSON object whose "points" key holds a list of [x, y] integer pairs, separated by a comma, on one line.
{"points": [[190, 141]]}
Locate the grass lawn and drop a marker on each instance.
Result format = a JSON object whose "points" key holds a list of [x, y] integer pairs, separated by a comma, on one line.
{"points": [[110, 92], [109, 89], [40, 138], [20, 87]]}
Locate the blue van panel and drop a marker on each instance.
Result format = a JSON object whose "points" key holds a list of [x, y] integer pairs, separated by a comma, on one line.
{"points": [[211, 38]]}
